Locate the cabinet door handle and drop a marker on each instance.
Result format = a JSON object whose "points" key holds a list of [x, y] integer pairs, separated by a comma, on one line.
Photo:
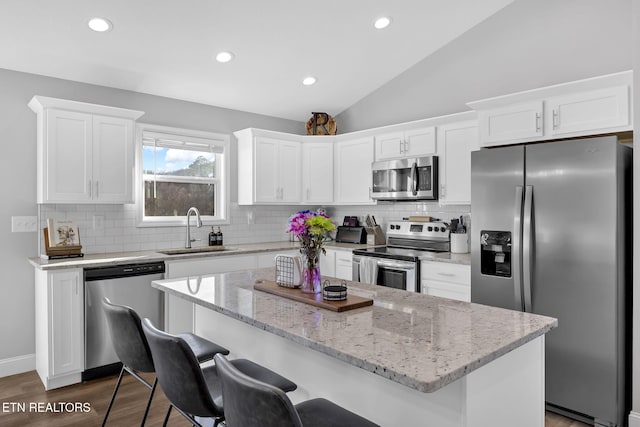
{"points": [[308, 194], [405, 145], [442, 190], [90, 185], [538, 124], [400, 146], [556, 119], [76, 286], [97, 189]]}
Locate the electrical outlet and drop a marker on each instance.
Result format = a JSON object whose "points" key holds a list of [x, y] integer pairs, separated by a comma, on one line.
{"points": [[24, 224], [98, 222]]}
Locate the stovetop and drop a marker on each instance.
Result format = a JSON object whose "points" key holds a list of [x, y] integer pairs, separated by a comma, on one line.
{"points": [[410, 241]]}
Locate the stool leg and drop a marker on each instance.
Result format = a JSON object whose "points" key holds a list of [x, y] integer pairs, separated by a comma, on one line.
{"points": [[166, 418], [146, 411], [113, 396]]}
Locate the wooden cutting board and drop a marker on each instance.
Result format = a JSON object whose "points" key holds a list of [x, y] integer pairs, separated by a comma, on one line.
{"points": [[352, 302]]}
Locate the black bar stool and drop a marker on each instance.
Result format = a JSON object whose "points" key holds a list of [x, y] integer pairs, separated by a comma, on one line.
{"points": [[132, 348], [195, 391], [251, 403]]}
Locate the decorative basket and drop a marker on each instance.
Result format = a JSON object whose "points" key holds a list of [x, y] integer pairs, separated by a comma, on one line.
{"points": [[334, 292]]}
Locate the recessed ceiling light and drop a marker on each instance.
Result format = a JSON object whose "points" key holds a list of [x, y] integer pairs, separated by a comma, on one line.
{"points": [[225, 56], [382, 22], [100, 24], [308, 81]]}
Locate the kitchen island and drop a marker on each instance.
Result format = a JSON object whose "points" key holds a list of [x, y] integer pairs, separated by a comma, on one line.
{"points": [[410, 359]]}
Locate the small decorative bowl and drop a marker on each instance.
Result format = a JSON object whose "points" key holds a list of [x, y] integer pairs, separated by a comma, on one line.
{"points": [[334, 292]]}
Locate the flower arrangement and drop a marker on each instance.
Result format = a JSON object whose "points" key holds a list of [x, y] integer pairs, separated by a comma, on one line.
{"points": [[311, 229]]}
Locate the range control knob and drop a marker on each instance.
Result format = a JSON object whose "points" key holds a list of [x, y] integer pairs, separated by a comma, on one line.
{"points": [[429, 228]]}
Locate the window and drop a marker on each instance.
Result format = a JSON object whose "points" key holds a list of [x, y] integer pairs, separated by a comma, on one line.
{"points": [[178, 169]]}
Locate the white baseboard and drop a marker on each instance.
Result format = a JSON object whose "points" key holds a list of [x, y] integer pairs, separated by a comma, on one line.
{"points": [[17, 365], [634, 419]]}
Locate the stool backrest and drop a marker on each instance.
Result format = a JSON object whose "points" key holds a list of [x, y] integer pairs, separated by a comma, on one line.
{"points": [[179, 373], [127, 337], [252, 403]]}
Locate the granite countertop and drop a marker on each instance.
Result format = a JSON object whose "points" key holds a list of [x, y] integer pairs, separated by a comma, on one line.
{"points": [[116, 258], [420, 341]]}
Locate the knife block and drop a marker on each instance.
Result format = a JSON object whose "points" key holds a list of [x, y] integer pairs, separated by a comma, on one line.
{"points": [[375, 236]]}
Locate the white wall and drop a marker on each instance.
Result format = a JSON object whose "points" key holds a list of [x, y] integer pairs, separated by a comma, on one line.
{"points": [[528, 44], [18, 179]]}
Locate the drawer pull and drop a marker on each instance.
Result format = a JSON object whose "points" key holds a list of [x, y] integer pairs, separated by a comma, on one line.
{"points": [[446, 274]]}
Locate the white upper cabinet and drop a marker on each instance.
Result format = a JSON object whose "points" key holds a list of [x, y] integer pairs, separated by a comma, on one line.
{"points": [[511, 123], [85, 152], [353, 160], [456, 141], [269, 169], [585, 107], [405, 143], [317, 172], [592, 110]]}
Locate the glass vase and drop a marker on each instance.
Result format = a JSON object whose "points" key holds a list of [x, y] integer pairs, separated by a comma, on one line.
{"points": [[311, 278]]}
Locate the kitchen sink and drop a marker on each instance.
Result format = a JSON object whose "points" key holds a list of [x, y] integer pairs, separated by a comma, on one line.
{"points": [[183, 251]]}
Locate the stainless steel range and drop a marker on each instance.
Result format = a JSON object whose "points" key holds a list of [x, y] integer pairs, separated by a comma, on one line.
{"points": [[397, 265]]}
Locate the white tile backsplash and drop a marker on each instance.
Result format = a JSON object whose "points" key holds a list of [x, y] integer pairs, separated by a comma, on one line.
{"points": [[119, 233]]}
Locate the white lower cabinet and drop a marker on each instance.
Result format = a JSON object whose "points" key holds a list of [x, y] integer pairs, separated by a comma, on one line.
{"points": [[336, 263], [59, 327], [446, 280]]}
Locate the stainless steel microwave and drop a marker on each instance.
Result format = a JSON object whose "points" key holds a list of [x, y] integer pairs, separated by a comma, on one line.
{"points": [[405, 179]]}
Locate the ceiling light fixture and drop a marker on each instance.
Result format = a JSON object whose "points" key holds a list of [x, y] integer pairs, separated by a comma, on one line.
{"points": [[308, 81], [382, 22], [225, 56], [100, 25]]}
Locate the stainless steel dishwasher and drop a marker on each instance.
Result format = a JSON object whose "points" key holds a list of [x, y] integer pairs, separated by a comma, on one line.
{"points": [[126, 285]]}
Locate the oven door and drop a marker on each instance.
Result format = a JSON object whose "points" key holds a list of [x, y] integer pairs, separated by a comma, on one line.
{"points": [[392, 273]]}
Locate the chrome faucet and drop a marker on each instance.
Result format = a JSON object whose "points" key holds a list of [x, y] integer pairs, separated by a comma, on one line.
{"points": [[198, 224]]}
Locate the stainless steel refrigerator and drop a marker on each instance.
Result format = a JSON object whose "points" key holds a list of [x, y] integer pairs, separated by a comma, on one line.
{"points": [[551, 227]]}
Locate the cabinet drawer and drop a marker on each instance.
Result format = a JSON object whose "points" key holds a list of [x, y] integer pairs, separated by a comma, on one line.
{"points": [[446, 290], [446, 272]]}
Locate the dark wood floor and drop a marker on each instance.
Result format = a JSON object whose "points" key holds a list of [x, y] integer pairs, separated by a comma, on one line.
{"points": [[127, 410]]}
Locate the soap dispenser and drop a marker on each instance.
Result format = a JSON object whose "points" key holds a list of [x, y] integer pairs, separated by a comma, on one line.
{"points": [[219, 237], [213, 238]]}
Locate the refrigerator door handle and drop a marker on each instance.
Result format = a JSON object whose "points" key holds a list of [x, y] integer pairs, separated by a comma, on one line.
{"points": [[516, 247], [527, 249]]}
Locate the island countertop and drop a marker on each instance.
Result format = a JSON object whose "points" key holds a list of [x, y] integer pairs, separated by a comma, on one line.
{"points": [[420, 341]]}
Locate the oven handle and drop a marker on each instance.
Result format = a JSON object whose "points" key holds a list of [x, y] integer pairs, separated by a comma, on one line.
{"points": [[399, 265]]}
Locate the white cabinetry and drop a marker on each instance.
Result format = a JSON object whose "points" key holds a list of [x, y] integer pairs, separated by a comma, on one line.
{"points": [[85, 152], [59, 327], [269, 169], [512, 123], [586, 107], [456, 141], [586, 111], [317, 172], [407, 143], [336, 263], [446, 280], [353, 160]]}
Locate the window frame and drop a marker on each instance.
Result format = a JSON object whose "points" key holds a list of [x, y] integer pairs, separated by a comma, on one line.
{"points": [[223, 161]]}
